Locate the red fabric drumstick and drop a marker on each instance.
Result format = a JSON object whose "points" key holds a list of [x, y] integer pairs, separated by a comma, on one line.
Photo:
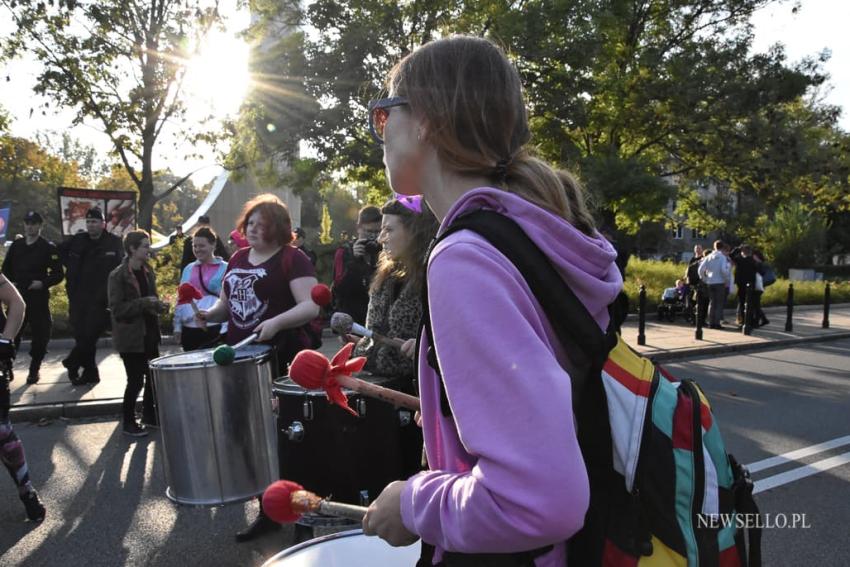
{"points": [[187, 293], [285, 501], [312, 371]]}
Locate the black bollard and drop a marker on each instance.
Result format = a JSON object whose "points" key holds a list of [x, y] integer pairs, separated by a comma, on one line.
{"points": [[825, 323], [698, 314], [789, 323], [747, 327], [641, 338]]}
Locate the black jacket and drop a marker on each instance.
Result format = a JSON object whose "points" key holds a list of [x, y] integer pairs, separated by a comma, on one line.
{"points": [[88, 264], [26, 263]]}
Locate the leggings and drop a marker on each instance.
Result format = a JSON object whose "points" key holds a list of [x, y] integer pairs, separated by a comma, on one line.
{"points": [[11, 447]]}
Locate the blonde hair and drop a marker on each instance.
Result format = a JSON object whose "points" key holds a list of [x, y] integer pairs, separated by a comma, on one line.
{"points": [[470, 96]]}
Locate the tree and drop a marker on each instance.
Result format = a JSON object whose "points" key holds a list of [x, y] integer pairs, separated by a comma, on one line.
{"points": [[327, 224], [626, 93], [122, 65]]}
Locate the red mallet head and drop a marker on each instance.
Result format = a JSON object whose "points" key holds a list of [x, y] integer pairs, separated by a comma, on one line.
{"points": [[277, 501], [321, 295], [308, 369], [186, 292]]}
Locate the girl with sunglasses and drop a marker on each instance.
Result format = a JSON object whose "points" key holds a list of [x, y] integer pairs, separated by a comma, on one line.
{"points": [[506, 473]]}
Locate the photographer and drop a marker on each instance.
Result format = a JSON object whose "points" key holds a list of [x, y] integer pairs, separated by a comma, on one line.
{"points": [[354, 265]]}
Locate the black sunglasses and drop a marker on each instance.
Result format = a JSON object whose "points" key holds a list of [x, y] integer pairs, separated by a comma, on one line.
{"points": [[379, 111]]}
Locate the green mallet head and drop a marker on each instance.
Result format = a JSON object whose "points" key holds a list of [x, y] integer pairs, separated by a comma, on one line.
{"points": [[224, 355]]}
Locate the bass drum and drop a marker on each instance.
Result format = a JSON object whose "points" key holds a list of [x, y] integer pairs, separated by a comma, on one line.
{"points": [[333, 453], [346, 549]]}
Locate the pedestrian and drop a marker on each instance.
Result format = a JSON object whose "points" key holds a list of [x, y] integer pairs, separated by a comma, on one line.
{"points": [[32, 264], [299, 234], [354, 265], [698, 290], [455, 130], [178, 235], [714, 272], [395, 307], [135, 308], [89, 257], [266, 290], [11, 447], [205, 274], [746, 270], [189, 256]]}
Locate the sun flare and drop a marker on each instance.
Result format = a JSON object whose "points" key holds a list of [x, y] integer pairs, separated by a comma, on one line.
{"points": [[217, 78]]}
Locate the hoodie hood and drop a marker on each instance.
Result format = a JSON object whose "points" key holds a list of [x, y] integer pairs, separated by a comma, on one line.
{"points": [[586, 264]]}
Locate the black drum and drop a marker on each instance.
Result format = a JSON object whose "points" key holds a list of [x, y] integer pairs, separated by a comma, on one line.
{"points": [[335, 454]]}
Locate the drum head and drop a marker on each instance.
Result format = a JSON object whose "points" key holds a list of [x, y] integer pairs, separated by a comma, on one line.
{"points": [[346, 549], [199, 358]]}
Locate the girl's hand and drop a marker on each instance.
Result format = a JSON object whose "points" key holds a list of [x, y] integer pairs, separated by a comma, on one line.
{"points": [[267, 330], [383, 518], [408, 349]]}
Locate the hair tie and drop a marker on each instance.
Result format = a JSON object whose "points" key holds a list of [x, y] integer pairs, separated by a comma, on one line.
{"points": [[501, 169]]}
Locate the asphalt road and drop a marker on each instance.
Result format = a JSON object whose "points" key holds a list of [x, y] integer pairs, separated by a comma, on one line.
{"points": [[107, 507], [774, 402]]}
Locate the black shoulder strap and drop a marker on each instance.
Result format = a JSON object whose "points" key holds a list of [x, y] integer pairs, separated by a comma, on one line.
{"points": [[586, 346]]}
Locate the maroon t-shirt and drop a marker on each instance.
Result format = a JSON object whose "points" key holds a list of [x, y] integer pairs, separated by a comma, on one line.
{"points": [[257, 293]]}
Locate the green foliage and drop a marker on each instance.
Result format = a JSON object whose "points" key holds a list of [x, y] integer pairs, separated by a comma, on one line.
{"points": [[657, 275], [793, 238], [625, 94], [121, 65]]}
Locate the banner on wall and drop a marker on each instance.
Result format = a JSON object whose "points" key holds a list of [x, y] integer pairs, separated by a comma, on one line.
{"points": [[119, 209]]}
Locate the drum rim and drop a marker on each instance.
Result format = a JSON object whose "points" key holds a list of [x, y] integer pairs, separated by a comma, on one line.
{"points": [[157, 363], [283, 554]]}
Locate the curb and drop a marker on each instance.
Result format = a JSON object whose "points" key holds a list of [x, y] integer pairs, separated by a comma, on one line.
{"points": [[113, 406], [742, 347]]}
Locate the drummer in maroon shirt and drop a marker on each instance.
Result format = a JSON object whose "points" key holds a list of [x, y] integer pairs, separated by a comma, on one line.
{"points": [[266, 290]]}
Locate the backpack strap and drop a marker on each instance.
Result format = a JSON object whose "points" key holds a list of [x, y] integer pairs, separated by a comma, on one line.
{"points": [[586, 346]]}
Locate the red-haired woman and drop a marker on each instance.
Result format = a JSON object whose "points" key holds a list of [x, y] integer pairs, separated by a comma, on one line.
{"points": [[507, 474], [266, 290]]}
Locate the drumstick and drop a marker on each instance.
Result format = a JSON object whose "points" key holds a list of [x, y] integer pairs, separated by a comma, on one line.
{"points": [[311, 370], [285, 501], [343, 324], [225, 354]]}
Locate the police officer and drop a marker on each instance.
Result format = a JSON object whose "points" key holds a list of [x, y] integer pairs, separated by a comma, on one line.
{"points": [[32, 264], [89, 257]]}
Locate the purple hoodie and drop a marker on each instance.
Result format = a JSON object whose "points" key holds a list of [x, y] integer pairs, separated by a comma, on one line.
{"points": [[512, 477]]}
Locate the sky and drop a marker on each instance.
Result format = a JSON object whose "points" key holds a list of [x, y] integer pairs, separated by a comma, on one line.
{"points": [[817, 25]]}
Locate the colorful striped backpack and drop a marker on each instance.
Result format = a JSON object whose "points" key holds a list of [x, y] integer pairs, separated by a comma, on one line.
{"points": [[664, 491]]}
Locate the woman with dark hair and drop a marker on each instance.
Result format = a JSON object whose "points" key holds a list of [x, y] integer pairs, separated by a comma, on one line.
{"points": [[135, 307], [506, 471], [205, 274], [266, 290]]}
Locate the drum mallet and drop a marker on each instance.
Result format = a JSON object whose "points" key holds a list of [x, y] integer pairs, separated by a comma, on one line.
{"points": [[187, 293], [343, 324], [312, 371], [225, 354], [321, 295], [285, 501]]}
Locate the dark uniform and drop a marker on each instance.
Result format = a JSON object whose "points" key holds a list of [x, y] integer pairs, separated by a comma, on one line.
{"points": [[88, 263], [24, 264]]}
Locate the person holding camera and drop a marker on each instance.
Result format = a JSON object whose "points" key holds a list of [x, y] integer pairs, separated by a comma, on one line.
{"points": [[354, 266], [135, 308]]}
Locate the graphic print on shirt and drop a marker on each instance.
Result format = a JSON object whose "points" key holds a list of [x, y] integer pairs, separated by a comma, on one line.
{"points": [[246, 307]]}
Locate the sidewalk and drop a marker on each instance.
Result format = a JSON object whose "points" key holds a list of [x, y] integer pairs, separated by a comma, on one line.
{"points": [[54, 396]]}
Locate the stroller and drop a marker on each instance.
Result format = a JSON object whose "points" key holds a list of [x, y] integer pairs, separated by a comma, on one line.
{"points": [[673, 302]]}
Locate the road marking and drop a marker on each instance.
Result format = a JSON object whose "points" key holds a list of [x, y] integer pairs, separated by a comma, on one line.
{"points": [[802, 472], [798, 454]]}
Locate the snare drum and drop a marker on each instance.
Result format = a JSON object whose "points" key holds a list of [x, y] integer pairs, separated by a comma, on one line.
{"points": [[219, 442], [349, 549], [333, 453]]}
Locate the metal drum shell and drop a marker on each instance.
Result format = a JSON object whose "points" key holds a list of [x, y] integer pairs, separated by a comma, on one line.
{"points": [[351, 548], [217, 425]]}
